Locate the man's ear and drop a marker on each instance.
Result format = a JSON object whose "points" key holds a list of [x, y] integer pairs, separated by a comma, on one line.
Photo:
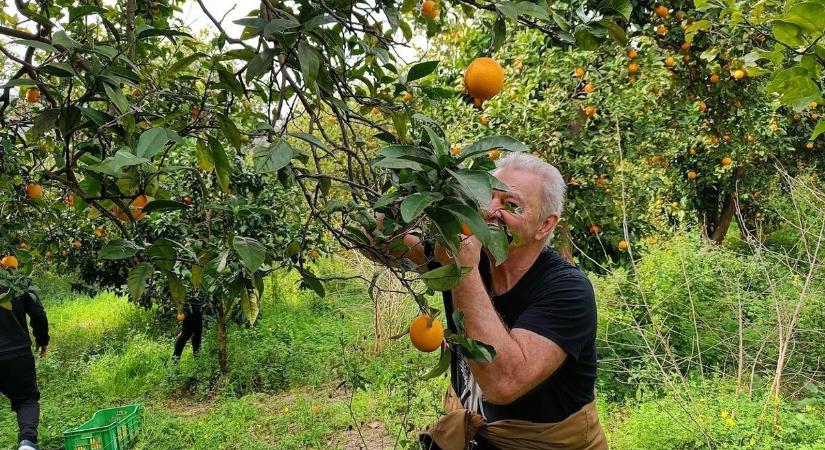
{"points": [[547, 227]]}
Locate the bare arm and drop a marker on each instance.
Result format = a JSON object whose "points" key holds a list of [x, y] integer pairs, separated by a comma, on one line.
{"points": [[523, 359]]}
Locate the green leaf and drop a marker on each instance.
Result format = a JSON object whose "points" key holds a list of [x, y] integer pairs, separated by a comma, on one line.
{"points": [[476, 184], [421, 70], [309, 61], [251, 252], [309, 280], [36, 44], [819, 129], [414, 204], [787, 33], [117, 97], [118, 249], [151, 142], [808, 16], [163, 254], [146, 31], [98, 117], [44, 121], [115, 165], [498, 246], [585, 38], [221, 162], [176, 289], [486, 144], [444, 278], [615, 31], [623, 7], [310, 139], [230, 131], [260, 64], [204, 156], [186, 61], [136, 281], [441, 367], [499, 34], [249, 306], [60, 38], [274, 157], [472, 218], [161, 205]]}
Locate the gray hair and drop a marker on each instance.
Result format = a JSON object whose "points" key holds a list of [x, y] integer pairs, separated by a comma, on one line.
{"points": [[552, 190]]}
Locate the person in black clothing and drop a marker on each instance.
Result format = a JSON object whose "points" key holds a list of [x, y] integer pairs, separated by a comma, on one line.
{"points": [[18, 379], [192, 328]]}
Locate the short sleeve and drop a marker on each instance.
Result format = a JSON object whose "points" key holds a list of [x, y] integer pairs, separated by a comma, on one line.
{"points": [[563, 309]]}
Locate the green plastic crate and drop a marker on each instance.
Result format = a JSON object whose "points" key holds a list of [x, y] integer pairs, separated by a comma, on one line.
{"points": [[108, 429]]}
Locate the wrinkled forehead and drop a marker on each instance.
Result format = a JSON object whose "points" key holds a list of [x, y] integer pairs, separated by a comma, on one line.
{"points": [[523, 184]]}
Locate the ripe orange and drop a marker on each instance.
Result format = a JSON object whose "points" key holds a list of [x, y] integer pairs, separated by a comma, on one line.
{"points": [[631, 79], [484, 120], [426, 336], [48, 254], [726, 137], [714, 78], [196, 111], [314, 253], [180, 317], [23, 246], [407, 97], [429, 9], [633, 68], [691, 175], [669, 61], [9, 262], [809, 145], [579, 72], [64, 253], [692, 151], [588, 88], [622, 245], [632, 53], [726, 161], [739, 74], [595, 229], [661, 30], [513, 95], [685, 47], [814, 116], [590, 111], [812, 105], [661, 11], [686, 58], [758, 216], [77, 244], [187, 200], [484, 78], [455, 150], [136, 208], [375, 110], [750, 138], [34, 191], [100, 232], [494, 154], [702, 106], [466, 230], [601, 181], [135, 93], [33, 95], [70, 200]]}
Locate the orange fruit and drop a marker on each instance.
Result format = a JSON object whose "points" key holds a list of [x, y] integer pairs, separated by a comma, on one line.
{"points": [[685, 47], [631, 79], [513, 95], [739, 74], [680, 14], [196, 111], [48, 254], [809, 145], [180, 317], [595, 229], [426, 336], [429, 9], [136, 93], [136, 208], [633, 68], [23, 246], [726, 161], [758, 216], [691, 175], [661, 11], [77, 244], [812, 105], [314, 253], [64, 253], [34, 191], [750, 138], [692, 151], [588, 88], [484, 120], [484, 78], [494, 154], [187, 200], [632, 54], [661, 30], [375, 110], [726, 137], [590, 111], [466, 230], [622, 245], [579, 72], [478, 103], [669, 61], [455, 150], [714, 78], [601, 181], [702, 106], [100, 232], [686, 58], [69, 200], [9, 262], [407, 97], [33, 95]]}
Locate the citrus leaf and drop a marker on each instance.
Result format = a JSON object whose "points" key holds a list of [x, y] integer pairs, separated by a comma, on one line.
{"points": [[118, 249], [414, 204], [136, 281], [151, 142], [444, 278], [251, 252]]}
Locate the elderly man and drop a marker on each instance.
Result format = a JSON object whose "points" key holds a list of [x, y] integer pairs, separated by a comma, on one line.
{"points": [[539, 313]]}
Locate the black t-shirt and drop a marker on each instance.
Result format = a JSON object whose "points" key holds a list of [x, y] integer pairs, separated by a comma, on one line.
{"points": [[553, 299]]}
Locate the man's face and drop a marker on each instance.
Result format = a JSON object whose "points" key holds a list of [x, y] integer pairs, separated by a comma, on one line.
{"points": [[520, 208]]}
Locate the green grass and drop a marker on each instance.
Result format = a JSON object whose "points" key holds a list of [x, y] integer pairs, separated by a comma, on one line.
{"points": [[306, 376]]}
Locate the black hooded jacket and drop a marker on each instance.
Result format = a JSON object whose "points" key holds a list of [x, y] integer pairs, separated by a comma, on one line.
{"points": [[14, 333]]}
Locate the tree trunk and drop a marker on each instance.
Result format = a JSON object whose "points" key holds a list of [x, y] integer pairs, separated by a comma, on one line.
{"points": [[565, 247], [223, 352], [725, 218], [131, 9]]}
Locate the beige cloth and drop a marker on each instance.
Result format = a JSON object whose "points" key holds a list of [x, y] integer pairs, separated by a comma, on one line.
{"points": [[579, 431]]}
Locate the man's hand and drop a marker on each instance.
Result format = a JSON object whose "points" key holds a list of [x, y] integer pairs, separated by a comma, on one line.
{"points": [[469, 254], [43, 350]]}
